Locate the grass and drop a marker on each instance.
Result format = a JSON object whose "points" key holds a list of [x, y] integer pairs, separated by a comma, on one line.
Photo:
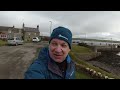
{"points": [[80, 49], [84, 64], [81, 75], [2, 43]]}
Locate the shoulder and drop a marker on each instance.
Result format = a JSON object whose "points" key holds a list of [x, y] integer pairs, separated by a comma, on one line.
{"points": [[43, 53], [36, 71], [38, 68], [69, 60], [42, 59]]}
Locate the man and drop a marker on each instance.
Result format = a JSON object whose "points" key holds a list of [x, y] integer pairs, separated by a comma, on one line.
{"points": [[53, 61]]}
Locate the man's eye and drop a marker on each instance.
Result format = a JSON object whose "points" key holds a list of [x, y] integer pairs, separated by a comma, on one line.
{"points": [[54, 44], [64, 46]]}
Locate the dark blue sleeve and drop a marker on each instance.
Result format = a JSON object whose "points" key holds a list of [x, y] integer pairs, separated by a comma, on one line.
{"points": [[35, 71]]}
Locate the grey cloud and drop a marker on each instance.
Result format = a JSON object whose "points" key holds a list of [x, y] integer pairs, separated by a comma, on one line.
{"points": [[79, 22]]}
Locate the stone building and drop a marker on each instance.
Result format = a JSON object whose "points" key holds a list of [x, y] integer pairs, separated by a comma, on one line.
{"points": [[25, 33], [29, 32]]}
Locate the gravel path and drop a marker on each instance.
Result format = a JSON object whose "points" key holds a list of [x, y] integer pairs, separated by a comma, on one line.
{"points": [[14, 60]]}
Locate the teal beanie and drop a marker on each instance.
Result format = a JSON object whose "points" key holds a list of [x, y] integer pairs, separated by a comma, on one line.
{"points": [[62, 33]]}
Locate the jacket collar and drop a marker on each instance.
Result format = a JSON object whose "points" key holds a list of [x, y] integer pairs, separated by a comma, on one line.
{"points": [[53, 67]]}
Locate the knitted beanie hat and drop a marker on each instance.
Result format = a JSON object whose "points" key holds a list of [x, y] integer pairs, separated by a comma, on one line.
{"points": [[62, 33]]}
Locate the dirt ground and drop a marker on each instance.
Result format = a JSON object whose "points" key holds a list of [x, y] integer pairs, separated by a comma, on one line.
{"points": [[14, 60]]}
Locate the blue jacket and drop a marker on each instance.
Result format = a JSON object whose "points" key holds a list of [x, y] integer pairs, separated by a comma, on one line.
{"points": [[45, 68]]}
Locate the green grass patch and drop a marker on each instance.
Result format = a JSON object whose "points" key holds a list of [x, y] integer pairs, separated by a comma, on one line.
{"points": [[80, 49], [81, 75], [3, 43]]}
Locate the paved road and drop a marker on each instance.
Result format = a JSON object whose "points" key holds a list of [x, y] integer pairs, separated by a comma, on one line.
{"points": [[14, 60]]}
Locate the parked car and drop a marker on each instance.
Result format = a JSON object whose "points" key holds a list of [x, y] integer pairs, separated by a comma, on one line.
{"points": [[14, 41], [35, 39]]}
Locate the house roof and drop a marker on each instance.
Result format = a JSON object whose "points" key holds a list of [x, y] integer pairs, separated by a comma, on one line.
{"points": [[5, 28], [29, 29], [16, 28]]}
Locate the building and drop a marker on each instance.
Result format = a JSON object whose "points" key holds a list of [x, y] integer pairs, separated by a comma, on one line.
{"points": [[3, 36], [9, 32], [29, 32], [25, 33]]}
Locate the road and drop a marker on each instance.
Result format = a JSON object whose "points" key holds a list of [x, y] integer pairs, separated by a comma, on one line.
{"points": [[14, 60]]}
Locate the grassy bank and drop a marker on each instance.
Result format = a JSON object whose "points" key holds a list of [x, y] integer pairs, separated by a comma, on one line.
{"points": [[82, 75], [84, 64]]}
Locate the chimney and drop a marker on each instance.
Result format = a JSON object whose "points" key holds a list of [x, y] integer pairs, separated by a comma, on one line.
{"points": [[13, 26], [23, 25]]}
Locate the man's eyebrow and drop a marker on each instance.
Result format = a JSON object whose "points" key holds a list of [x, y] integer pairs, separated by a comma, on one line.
{"points": [[64, 43], [53, 41]]}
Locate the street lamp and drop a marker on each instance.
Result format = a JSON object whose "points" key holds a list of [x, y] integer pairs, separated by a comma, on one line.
{"points": [[50, 26]]}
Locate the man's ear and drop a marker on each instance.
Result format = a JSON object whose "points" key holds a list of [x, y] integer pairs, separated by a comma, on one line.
{"points": [[69, 50]]}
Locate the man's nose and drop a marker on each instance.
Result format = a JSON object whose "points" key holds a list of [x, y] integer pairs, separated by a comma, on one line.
{"points": [[58, 49]]}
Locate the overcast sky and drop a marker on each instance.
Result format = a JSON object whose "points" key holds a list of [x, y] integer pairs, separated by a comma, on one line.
{"points": [[87, 24]]}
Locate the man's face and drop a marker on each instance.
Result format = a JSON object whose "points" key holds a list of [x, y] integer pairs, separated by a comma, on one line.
{"points": [[58, 50]]}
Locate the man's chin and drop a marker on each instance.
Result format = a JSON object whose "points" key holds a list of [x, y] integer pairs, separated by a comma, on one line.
{"points": [[59, 60]]}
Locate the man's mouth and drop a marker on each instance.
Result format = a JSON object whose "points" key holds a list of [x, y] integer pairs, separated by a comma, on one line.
{"points": [[57, 55]]}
